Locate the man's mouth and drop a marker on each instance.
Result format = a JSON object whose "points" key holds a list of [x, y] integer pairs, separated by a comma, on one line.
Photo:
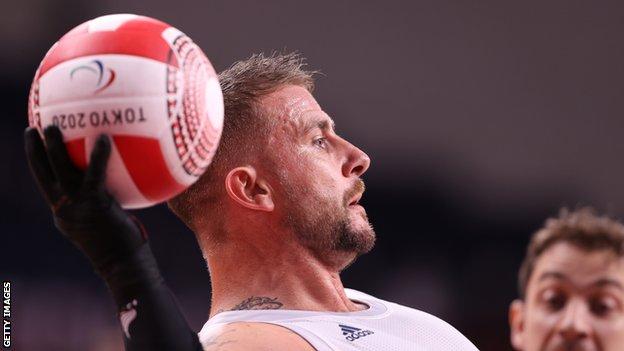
{"points": [[354, 195], [572, 346], [355, 200]]}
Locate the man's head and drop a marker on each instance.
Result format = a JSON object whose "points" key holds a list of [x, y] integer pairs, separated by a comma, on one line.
{"points": [[571, 286], [280, 169]]}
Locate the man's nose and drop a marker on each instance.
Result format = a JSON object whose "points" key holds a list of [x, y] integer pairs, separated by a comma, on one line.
{"points": [[575, 323], [356, 161]]}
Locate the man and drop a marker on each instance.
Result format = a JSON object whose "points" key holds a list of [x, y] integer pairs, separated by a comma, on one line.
{"points": [[572, 286], [277, 218]]}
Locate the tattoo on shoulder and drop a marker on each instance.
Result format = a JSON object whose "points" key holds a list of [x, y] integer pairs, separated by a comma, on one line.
{"points": [[259, 303]]}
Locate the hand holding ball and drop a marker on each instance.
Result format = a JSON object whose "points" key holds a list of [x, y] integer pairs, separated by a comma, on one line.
{"points": [[146, 85]]}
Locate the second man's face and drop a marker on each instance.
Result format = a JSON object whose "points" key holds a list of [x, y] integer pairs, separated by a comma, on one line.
{"points": [[574, 302]]}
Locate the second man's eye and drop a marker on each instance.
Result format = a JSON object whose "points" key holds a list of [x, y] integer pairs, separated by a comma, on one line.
{"points": [[557, 302], [602, 306], [554, 300]]}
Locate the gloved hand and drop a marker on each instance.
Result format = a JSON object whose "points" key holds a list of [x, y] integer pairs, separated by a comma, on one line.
{"points": [[83, 210], [113, 241]]}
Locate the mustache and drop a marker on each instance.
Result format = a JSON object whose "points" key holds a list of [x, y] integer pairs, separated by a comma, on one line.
{"points": [[357, 188]]}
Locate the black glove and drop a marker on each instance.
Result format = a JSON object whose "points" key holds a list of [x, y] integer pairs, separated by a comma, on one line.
{"points": [[114, 242], [83, 211]]}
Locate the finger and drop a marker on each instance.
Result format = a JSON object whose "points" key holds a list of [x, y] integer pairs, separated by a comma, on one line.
{"points": [[40, 167], [68, 176], [96, 172]]}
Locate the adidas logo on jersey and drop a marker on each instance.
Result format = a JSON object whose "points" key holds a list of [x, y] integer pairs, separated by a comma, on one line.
{"points": [[352, 333]]}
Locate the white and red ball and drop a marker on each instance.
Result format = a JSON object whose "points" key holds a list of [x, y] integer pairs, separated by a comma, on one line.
{"points": [[146, 85]]}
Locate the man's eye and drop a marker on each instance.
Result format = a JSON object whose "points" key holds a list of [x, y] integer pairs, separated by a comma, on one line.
{"points": [[320, 142], [602, 306], [555, 301]]}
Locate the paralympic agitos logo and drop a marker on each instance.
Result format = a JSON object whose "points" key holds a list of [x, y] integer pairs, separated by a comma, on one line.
{"points": [[96, 67]]}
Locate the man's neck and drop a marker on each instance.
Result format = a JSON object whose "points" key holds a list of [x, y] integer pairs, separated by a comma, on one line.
{"points": [[246, 276]]}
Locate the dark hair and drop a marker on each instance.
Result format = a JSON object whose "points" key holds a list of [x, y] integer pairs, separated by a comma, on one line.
{"points": [[244, 129], [582, 228]]}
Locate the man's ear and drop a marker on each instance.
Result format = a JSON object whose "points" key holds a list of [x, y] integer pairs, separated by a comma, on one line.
{"points": [[245, 187], [516, 323]]}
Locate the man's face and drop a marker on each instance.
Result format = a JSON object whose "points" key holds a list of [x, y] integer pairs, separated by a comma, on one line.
{"points": [[318, 176], [574, 301]]}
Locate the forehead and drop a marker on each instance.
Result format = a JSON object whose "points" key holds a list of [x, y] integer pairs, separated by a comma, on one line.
{"points": [[579, 266], [293, 104]]}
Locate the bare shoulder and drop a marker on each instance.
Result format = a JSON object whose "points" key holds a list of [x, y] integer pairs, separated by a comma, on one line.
{"points": [[241, 336]]}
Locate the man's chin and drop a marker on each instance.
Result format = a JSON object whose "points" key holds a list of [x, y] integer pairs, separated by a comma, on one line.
{"points": [[352, 246], [359, 237]]}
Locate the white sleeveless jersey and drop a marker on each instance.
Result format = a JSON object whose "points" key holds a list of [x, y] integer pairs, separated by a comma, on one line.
{"points": [[385, 326]]}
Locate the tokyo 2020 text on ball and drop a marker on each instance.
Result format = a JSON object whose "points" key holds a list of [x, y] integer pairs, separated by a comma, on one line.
{"points": [[145, 84]]}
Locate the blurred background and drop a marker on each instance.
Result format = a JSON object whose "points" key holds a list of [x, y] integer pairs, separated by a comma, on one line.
{"points": [[481, 120]]}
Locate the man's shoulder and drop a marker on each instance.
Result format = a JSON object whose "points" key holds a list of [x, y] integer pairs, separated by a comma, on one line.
{"points": [[432, 327], [422, 324], [240, 336]]}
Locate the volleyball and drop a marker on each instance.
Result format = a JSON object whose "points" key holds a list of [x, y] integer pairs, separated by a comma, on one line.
{"points": [[146, 85]]}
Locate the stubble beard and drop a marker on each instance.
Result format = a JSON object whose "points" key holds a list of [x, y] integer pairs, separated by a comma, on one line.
{"points": [[323, 224]]}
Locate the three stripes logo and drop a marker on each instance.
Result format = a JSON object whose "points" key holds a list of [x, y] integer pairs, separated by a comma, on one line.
{"points": [[352, 333]]}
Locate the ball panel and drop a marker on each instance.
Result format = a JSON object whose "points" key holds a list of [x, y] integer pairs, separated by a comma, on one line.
{"points": [[79, 106], [97, 76], [110, 22], [188, 110], [34, 118], [144, 24], [143, 159], [77, 152], [118, 180], [176, 166], [171, 34], [136, 43], [214, 107], [142, 116], [204, 143]]}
